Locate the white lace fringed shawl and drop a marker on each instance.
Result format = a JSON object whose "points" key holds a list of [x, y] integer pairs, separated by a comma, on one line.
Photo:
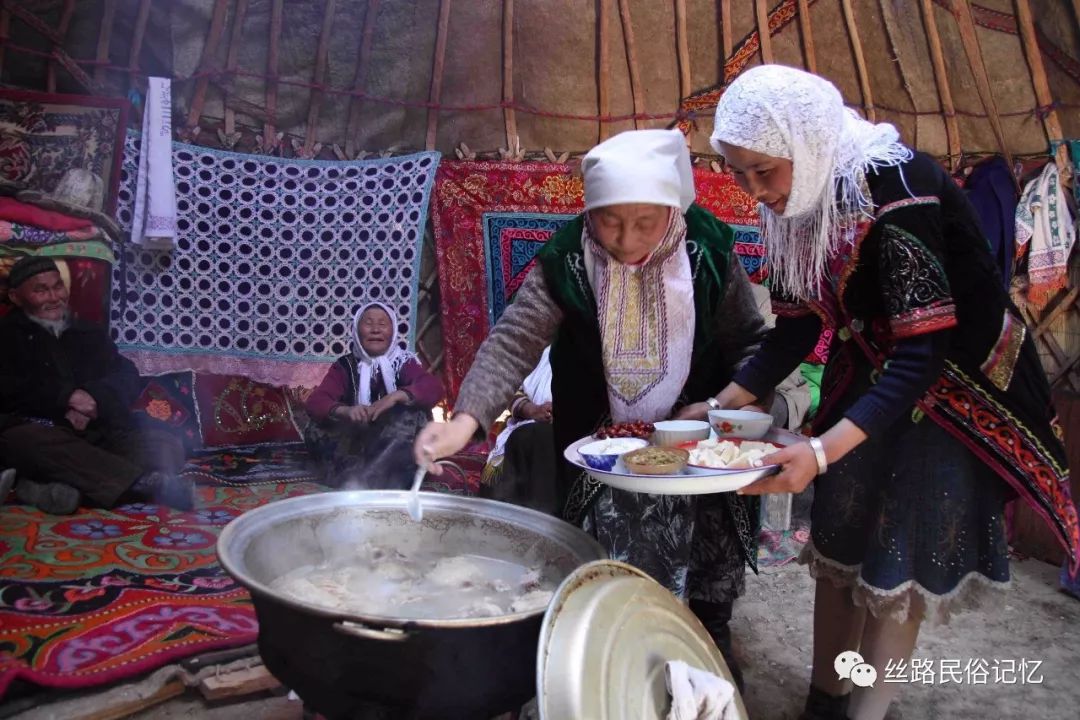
{"points": [[787, 113]]}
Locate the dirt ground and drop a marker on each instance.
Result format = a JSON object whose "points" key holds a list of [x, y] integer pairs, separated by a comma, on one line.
{"points": [[1032, 621], [772, 629]]}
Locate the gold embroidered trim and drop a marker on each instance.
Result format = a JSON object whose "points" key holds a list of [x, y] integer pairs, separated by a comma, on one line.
{"points": [[1001, 362]]}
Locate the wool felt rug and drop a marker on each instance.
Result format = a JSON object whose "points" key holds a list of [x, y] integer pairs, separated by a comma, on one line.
{"points": [[101, 596], [104, 595]]}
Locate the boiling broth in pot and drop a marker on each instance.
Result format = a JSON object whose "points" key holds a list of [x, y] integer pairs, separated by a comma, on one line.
{"points": [[381, 580]]}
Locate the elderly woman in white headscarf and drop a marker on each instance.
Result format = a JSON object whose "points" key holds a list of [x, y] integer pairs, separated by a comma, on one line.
{"points": [[934, 411], [370, 406], [644, 306]]}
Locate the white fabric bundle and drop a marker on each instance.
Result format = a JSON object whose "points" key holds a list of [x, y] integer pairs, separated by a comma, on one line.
{"points": [[698, 695], [154, 222]]}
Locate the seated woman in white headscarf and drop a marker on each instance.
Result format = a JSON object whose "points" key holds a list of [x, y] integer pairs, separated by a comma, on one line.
{"points": [[644, 305], [370, 406], [935, 411], [521, 467]]}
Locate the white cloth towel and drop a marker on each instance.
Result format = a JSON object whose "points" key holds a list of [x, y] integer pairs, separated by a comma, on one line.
{"points": [[154, 223], [698, 695], [1043, 219]]}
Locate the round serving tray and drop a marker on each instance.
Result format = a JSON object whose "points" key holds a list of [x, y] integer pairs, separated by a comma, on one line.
{"points": [[691, 481]]}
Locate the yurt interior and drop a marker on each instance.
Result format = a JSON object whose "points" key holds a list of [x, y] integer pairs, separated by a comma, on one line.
{"points": [[270, 267]]}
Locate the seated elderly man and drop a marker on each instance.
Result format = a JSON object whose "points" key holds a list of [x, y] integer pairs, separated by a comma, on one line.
{"points": [[64, 397]]}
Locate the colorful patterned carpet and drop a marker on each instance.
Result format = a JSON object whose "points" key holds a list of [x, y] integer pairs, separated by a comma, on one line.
{"points": [[780, 547], [104, 595]]}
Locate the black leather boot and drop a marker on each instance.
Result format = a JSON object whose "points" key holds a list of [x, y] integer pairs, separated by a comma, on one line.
{"points": [[715, 618], [820, 705]]}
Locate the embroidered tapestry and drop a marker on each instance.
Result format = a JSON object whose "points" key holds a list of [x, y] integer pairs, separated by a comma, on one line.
{"points": [[166, 403], [272, 259], [235, 410], [491, 218], [44, 135], [251, 465]]}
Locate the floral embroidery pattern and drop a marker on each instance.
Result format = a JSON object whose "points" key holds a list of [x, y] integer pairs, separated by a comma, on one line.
{"points": [[913, 280]]}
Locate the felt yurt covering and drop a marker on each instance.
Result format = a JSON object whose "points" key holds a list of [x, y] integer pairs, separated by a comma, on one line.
{"points": [[547, 79]]}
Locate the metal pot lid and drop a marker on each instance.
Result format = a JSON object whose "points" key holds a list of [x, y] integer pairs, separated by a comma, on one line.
{"points": [[606, 637]]}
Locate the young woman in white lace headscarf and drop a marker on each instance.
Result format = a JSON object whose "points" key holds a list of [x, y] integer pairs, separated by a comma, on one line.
{"points": [[934, 408], [370, 406]]}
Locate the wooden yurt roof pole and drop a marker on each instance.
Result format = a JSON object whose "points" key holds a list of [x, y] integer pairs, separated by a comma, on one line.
{"points": [[682, 48], [437, 73], [937, 56], [232, 60], [371, 14], [210, 47], [725, 37], [108, 14], [860, 61], [962, 11], [1042, 87], [61, 33], [322, 58], [509, 117], [631, 59], [269, 134], [761, 9], [141, 19], [604, 71], [57, 41], [808, 36], [1076, 11]]}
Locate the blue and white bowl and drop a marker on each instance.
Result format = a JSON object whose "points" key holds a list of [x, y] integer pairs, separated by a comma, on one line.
{"points": [[603, 454]]}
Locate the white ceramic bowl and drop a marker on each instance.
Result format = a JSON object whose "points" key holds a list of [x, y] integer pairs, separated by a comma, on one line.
{"points": [[602, 454], [740, 423], [670, 433]]}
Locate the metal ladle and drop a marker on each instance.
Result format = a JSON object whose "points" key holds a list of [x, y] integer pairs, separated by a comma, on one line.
{"points": [[416, 512], [412, 503]]}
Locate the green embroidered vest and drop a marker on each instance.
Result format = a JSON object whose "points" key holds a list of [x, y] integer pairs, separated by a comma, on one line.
{"points": [[579, 388]]}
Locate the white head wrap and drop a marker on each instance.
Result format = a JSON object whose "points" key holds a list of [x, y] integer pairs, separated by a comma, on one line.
{"points": [[389, 362], [639, 166], [787, 113]]}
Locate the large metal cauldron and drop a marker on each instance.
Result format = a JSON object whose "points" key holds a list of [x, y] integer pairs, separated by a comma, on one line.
{"points": [[358, 666]]}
